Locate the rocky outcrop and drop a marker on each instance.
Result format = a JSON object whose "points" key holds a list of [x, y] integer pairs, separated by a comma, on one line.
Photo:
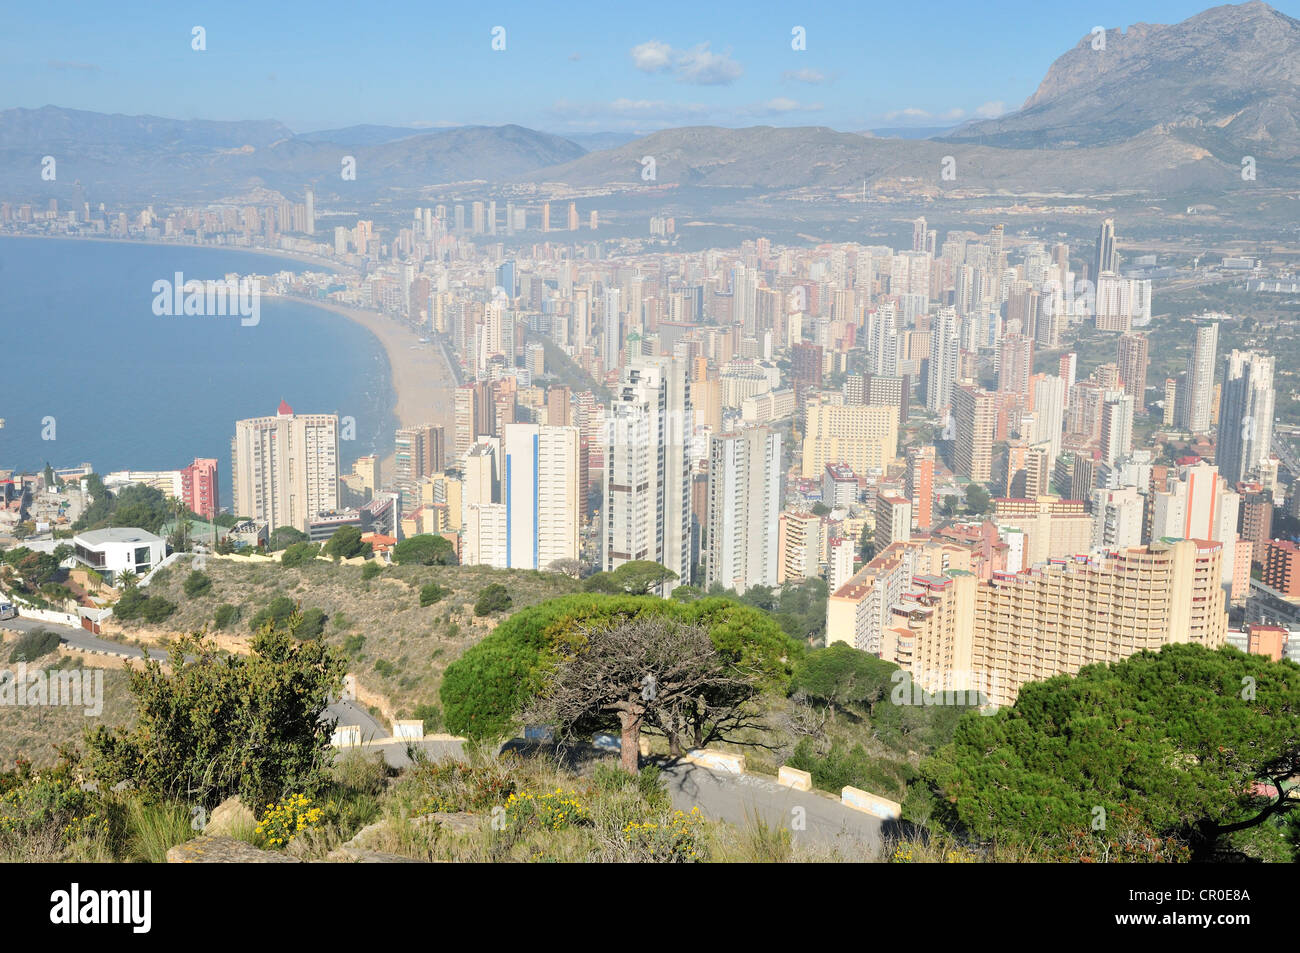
{"points": [[224, 850]]}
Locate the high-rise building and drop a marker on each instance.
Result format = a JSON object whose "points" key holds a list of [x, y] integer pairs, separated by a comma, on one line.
{"points": [[286, 467], [799, 546], [744, 507], [893, 520], [539, 487], [959, 632], [920, 485], [1195, 393], [419, 452], [647, 468], [611, 342], [199, 488], [1198, 503], [941, 370], [1133, 363], [1016, 364], [1116, 427], [974, 414], [863, 436], [1107, 258], [1245, 435], [1117, 518], [1282, 567], [310, 218]]}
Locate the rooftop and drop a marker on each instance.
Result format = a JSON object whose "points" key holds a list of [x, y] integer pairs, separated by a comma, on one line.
{"points": [[120, 534]]}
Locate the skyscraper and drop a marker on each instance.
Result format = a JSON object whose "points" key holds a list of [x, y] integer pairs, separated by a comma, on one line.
{"points": [[1107, 258], [1116, 427], [647, 470], [1133, 362], [199, 488], [941, 371], [539, 487], [1197, 389], [310, 202], [611, 343], [974, 413], [286, 467], [1245, 435], [419, 452], [744, 509]]}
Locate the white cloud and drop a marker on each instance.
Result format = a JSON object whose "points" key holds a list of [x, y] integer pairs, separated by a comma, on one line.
{"points": [[702, 66], [652, 56], [991, 110], [813, 76], [910, 113], [779, 106], [699, 65]]}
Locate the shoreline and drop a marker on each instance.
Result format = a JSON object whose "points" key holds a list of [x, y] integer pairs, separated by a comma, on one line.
{"points": [[305, 260], [423, 383]]}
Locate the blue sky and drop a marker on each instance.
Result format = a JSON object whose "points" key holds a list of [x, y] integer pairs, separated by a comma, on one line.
{"points": [[569, 67]]}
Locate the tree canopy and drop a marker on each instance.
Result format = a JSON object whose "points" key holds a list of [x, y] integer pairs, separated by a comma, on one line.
{"points": [[427, 549], [485, 690], [346, 543], [1193, 743], [636, 578], [213, 725]]}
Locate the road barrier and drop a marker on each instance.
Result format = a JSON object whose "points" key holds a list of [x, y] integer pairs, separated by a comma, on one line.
{"points": [[794, 778], [872, 804], [717, 760]]}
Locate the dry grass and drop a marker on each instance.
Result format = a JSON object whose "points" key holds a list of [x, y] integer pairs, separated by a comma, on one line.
{"points": [[396, 647]]}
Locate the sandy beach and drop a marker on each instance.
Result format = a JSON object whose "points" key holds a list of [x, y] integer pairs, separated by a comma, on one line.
{"points": [[422, 382]]}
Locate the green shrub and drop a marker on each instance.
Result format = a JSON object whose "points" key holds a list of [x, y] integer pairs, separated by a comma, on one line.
{"points": [[346, 543], [352, 644], [277, 613], [225, 615], [313, 624], [371, 569], [34, 644], [432, 593], [493, 597], [156, 609], [298, 554], [431, 715], [196, 584]]}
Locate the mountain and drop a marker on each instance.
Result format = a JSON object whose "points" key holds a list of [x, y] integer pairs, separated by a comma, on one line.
{"points": [[1227, 79], [145, 157], [363, 135], [1161, 108], [785, 159], [54, 128]]}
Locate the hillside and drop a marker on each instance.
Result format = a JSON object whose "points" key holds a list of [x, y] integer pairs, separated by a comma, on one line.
{"points": [[147, 156], [395, 647], [1227, 79]]}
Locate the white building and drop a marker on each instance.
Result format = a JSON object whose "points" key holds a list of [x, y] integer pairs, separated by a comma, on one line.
{"points": [[286, 467], [111, 552], [647, 469], [744, 509]]}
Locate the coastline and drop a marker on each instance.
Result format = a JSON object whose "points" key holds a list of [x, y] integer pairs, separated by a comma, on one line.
{"points": [[422, 379], [423, 383], [305, 260]]}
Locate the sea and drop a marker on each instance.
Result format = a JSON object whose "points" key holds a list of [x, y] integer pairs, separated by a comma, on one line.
{"points": [[89, 374]]}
